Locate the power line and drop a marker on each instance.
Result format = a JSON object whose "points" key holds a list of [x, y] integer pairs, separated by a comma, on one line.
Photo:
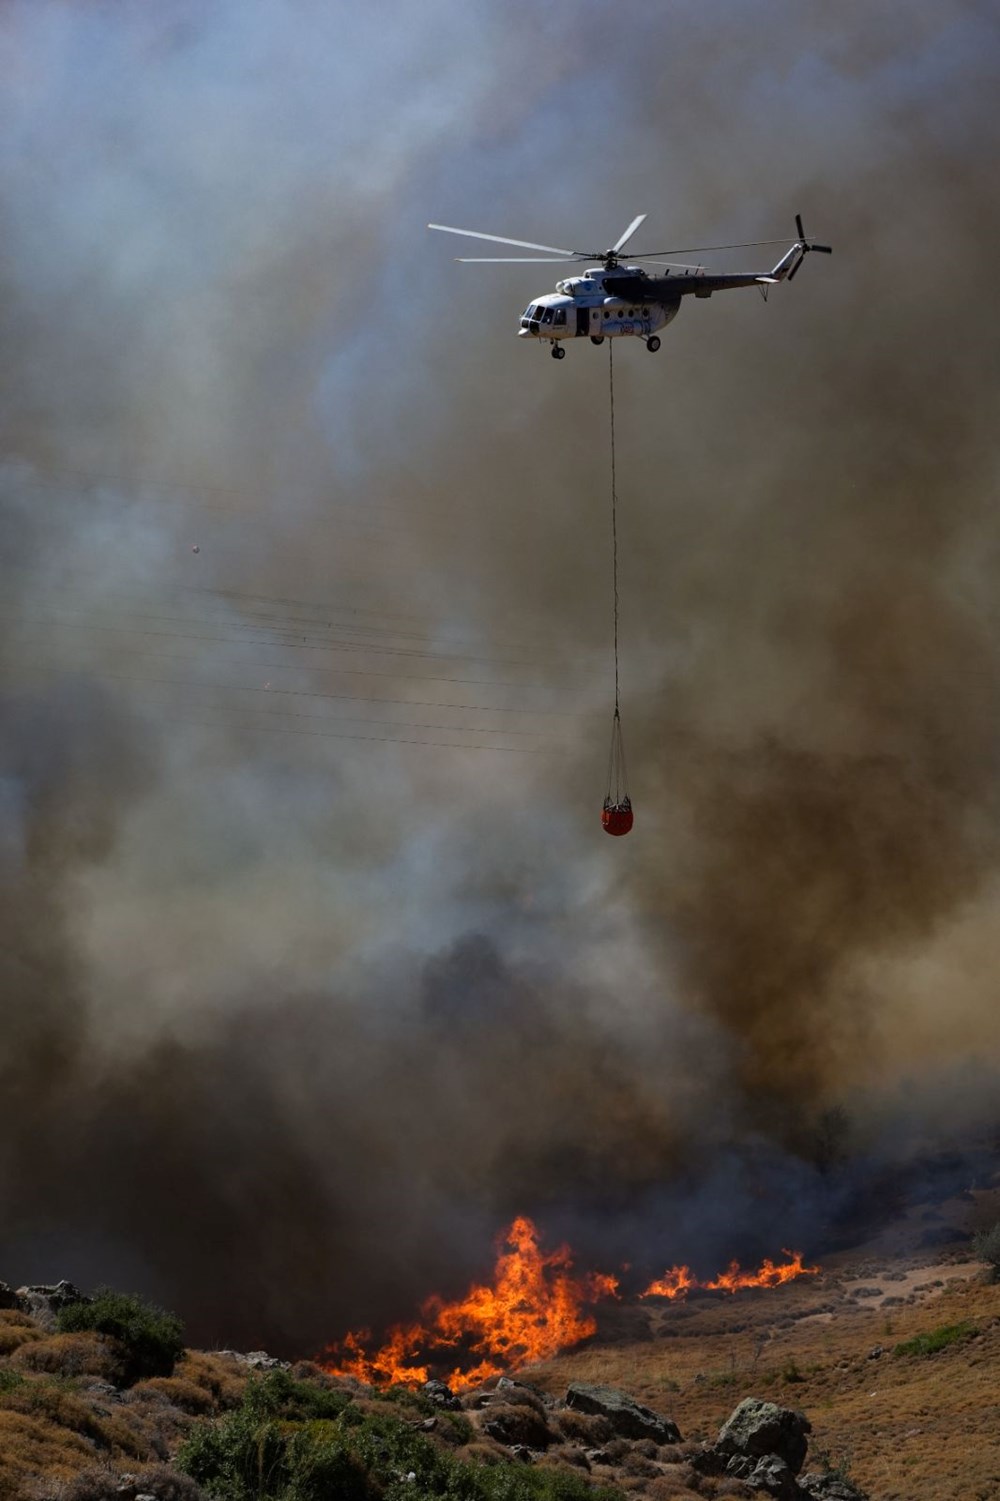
{"points": [[286, 713], [266, 663], [270, 692], [80, 621]]}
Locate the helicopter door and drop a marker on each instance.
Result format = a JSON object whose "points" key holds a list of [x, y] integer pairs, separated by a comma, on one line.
{"points": [[582, 322]]}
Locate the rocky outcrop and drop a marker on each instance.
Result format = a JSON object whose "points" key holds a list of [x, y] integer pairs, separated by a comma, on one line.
{"points": [[43, 1300], [628, 1418], [758, 1430]]}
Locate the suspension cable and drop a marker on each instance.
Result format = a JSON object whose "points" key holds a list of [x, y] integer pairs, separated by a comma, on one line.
{"points": [[614, 510]]}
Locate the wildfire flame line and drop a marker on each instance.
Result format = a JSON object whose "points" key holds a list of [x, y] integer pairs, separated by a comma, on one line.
{"points": [[678, 1281], [533, 1309]]}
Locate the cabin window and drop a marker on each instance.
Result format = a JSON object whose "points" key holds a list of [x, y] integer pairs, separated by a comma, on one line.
{"points": [[560, 317], [547, 315]]}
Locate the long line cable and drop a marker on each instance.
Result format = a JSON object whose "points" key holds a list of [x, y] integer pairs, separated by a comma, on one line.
{"points": [[617, 807], [614, 509]]}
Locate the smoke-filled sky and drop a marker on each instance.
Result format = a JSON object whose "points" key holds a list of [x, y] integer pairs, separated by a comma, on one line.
{"points": [[316, 964]]}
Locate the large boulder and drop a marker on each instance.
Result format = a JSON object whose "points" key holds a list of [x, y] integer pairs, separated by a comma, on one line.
{"points": [[628, 1418], [757, 1429]]}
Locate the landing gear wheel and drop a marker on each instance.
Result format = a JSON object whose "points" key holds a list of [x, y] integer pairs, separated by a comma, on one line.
{"points": [[597, 338], [652, 343], [558, 353]]}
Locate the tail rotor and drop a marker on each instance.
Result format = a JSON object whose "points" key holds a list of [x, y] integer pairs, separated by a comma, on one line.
{"points": [[804, 247]]}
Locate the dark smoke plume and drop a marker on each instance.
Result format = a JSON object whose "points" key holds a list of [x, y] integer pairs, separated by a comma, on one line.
{"points": [[293, 1019]]}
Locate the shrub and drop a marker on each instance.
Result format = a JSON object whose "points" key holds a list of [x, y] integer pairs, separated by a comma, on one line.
{"points": [[86, 1354], [151, 1338], [935, 1340], [294, 1441], [187, 1395], [986, 1247]]}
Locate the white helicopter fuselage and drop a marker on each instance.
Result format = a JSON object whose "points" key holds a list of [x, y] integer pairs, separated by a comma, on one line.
{"points": [[580, 307]]}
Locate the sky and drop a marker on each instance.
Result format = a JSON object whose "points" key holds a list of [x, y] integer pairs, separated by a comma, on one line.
{"points": [[316, 965]]}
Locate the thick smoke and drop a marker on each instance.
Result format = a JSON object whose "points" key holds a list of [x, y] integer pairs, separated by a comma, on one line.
{"points": [[294, 1019]]}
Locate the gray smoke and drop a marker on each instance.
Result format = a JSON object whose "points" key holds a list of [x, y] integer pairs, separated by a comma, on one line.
{"points": [[293, 1018]]}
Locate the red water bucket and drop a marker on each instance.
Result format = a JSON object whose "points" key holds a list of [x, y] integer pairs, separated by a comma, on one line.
{"points": [[616, 818]]}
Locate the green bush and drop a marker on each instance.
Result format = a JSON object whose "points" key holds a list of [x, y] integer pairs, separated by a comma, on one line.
{"points": [[150, 1338], [935, 1340], [293, 1441], [986, 1247]]}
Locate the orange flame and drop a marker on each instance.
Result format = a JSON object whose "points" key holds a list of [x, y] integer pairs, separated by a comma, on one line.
{"points": [[531, 1311], [673, 1284], [676, 1282]]}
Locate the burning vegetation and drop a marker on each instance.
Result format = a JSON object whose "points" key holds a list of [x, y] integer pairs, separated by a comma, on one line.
{"points": [[534, 1308], [679, 1280]]}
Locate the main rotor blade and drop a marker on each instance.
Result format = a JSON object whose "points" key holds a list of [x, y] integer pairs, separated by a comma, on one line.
{"points": [[517, 260], [477, 234], [629, 232], [699, 249]]}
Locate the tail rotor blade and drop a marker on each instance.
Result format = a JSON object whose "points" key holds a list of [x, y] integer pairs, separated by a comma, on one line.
{"points": [[798, 226], [823, 249], [796, 268]]}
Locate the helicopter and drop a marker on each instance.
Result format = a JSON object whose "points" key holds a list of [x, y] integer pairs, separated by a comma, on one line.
{"points": [[612, 301]]}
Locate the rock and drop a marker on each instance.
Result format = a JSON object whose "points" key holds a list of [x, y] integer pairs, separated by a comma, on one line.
{"points": [[43, 1300], [759, 1429], [628, 1418], [442, 1396], [519, 1393], [517, 1426], [259, 1360], [829, 1487], [876, 1352], [769, 1474], [599, 1457]]}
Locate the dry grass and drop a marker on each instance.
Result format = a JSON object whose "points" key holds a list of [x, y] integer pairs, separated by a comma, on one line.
{"points": [[191, 1398], [12, 1336], [909, 1428], [85, 1354], [223, 1378]]}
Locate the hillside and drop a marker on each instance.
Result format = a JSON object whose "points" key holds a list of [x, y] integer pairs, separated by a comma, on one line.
{"points": [[891, 1353]]}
